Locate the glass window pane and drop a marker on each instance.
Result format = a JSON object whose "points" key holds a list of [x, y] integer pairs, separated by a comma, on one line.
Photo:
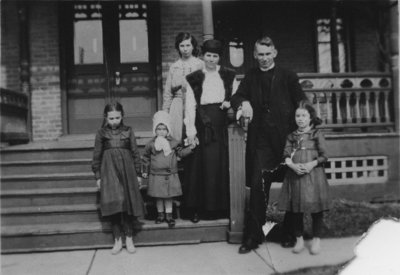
{"points": [[133, 41], [324, 47], [324, 58], [88, 42], [342, 57]]}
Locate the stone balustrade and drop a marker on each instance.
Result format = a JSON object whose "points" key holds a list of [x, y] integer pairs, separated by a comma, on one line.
{"points": [[353, 100], [350, 100]]}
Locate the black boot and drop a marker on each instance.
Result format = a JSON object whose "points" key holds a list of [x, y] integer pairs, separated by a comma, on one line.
{"points": [[170, 220], [160, 218], [247, 246]]}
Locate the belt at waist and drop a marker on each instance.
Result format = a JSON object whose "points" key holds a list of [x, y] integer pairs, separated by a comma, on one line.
{"points": [[164, 172], [117, 144]]}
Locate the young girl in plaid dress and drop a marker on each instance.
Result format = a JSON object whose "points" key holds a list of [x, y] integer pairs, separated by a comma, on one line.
{"points": [[305, 187]]}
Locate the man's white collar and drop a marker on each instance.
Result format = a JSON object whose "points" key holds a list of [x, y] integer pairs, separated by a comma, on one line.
{"points": [[269, 68]]}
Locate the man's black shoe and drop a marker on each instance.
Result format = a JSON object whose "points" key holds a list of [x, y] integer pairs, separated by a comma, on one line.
{"points": [[288, 243], [195, 218], [247, 247]]}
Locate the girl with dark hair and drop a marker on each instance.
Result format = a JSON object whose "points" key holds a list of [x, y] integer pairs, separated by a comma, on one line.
{"points": [[175, 87], [305, 186], [116, 165]]}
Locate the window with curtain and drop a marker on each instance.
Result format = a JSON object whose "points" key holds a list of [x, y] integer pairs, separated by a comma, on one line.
{"points": [[324, 35]]}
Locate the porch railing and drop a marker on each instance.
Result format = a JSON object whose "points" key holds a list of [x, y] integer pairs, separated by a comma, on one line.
{"points": [[13, 116], [351, 100]]}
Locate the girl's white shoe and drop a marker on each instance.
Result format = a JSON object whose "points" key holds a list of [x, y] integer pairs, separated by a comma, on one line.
{"points": [[299, 245], [315, 246], [117, 246], [130, 247]]}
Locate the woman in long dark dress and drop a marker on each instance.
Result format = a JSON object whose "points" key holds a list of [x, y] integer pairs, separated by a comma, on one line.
{"points": [[206, 180]]}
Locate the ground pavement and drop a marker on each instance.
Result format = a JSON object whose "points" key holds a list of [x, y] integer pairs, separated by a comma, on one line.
{"points": [[199, 259]]}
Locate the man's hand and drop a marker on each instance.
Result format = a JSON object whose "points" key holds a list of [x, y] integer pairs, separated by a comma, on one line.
{"points": [[98, 183], [247, 110], [144, 175], [225, 105]]}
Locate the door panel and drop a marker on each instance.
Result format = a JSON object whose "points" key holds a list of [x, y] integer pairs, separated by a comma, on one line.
{"points": [[110, 55]]}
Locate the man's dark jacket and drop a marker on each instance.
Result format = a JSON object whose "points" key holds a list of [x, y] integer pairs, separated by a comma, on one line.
{"points": [[284, 96]]}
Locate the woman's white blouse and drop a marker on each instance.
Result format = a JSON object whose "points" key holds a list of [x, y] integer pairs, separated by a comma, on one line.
{"points": [[213, 92]]}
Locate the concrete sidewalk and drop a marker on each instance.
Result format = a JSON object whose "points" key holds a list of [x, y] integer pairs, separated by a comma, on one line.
{"points": [[206, 258]]}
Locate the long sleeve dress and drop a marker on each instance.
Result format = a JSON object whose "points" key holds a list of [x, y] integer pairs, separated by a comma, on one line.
{"points": [[206, 170], [175, 89], [308, 193], [116, 161]]}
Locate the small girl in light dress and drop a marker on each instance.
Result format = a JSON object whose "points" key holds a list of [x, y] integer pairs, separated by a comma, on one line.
{"points": [[160, 160]]}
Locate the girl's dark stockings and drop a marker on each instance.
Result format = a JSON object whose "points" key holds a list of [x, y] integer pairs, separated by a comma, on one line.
{"points": [[316, 224], [121, 222]]}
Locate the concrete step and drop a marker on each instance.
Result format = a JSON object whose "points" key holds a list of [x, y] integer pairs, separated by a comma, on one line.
{"points": [[49, 214], [34, 167], [91, 235], [43, 181], [49, 196], [69, 147], [47, 151]]}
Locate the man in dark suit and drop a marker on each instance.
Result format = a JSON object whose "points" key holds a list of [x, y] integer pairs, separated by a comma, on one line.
{"points": [[267, 96]]}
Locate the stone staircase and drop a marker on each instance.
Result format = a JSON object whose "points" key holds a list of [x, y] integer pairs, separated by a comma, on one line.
{"points": [[49, 201]]}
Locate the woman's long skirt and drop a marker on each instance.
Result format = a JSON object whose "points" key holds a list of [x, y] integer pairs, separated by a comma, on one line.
{"points": [[206, 184]]}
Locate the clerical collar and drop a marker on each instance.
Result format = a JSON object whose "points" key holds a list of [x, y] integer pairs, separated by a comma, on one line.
{"points": [[267, 69]]}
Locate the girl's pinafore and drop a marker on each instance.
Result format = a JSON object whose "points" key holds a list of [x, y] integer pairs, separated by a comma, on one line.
{"points": [[309, 192], [116, 161]]}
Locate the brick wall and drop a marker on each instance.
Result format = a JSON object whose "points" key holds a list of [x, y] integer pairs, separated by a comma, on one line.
{"points": [[178, 16], [291, 28], [288, 25], [9, 70], [45, 75], [366, 54]]}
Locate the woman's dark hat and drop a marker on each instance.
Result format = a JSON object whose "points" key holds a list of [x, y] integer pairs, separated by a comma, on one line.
{"points": [[212, 46]]}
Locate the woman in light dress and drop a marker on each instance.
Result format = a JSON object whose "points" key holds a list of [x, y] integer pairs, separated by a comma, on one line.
{"points": [[175, 86]]}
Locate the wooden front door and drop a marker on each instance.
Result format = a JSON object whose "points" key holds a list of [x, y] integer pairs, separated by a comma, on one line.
{"points": [[110, 54]]}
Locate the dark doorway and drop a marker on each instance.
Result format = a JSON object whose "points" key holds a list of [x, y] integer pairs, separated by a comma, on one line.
{"points": [[110, 52]]}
